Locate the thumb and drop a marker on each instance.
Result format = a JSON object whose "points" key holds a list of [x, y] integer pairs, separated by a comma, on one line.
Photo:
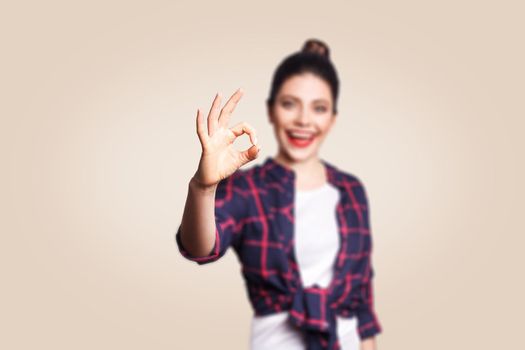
{"points": [[250, 154]]}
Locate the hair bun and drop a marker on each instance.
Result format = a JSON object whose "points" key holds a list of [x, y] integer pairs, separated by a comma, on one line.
{"points": [[316, 46]]}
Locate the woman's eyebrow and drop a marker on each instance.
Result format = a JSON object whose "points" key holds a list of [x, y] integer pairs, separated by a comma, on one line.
{"points": [[298, 99], [290, 96]]}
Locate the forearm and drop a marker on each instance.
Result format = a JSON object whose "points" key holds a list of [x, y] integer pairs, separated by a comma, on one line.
{"points": [[368, 344], [198, 220]]}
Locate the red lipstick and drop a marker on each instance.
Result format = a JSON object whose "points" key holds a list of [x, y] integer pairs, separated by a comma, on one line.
{"points": [[300, 142]]}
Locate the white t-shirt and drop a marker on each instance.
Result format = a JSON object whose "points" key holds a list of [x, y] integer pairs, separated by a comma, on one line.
{"points": [[316, 246]]}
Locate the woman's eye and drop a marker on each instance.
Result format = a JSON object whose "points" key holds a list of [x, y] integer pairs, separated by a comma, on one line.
{"points": [[320, 109], [286, 104]]}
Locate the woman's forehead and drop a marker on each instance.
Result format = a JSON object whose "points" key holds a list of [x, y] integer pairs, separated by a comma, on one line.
{"points": [[306, 86]]}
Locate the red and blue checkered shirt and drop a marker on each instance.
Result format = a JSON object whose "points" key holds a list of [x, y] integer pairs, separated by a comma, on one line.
{"points": [[254, 214]]}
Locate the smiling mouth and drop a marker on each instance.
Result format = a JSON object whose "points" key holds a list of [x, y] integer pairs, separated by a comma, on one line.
{"points": [[300, 140]]}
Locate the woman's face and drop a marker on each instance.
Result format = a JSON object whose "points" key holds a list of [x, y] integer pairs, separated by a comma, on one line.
{"points": [[302, 116]]}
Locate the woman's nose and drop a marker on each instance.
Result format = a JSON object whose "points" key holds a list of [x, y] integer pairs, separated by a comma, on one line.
{"points": [[303, 118]]}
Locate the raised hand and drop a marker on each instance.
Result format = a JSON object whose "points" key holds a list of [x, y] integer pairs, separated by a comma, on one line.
{"points": [[219, 159]]}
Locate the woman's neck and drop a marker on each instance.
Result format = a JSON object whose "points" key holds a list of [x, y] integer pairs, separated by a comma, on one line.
{"points": [[309, 173]]}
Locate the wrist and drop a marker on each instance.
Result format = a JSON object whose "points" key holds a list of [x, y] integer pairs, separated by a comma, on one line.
{"points": [[200, 187]]}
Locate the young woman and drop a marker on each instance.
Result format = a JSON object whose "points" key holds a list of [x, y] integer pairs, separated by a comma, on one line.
{"points": [[298, 224]]}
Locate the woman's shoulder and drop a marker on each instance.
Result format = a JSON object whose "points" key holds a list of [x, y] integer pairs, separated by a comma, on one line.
{"points": [[342, 174], [348, 179]]}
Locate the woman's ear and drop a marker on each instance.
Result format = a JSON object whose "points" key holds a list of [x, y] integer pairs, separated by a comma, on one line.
{"points": [[269, 113], [332, 122]]}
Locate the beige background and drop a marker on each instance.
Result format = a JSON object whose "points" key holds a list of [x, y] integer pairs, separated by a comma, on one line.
{"points": [[98, 144]]}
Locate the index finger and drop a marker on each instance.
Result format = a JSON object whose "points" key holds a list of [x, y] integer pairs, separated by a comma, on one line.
{"points": [[228, 108], [243, 128]]}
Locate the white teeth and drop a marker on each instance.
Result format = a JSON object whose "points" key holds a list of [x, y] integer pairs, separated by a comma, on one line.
{"points": [[300, 136]]}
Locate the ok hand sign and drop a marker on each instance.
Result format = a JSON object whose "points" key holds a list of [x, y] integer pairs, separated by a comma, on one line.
{"points": [[219, 159]]}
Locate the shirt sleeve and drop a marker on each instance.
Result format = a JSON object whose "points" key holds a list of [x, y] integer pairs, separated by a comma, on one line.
{"points": [[230, 209], [368, 322]]}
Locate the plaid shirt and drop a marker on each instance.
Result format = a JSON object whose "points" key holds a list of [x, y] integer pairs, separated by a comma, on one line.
{"points": [[254, 213]]}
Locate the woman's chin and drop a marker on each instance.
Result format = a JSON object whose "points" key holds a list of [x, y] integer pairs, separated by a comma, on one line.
{"points": [[298, 154]]}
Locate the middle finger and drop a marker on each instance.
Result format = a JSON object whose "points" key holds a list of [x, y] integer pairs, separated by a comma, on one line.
{"points": [[229, 107], [213, 114]]}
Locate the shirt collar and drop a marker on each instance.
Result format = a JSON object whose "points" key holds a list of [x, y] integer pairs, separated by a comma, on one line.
{"points": [[286, 175]]}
